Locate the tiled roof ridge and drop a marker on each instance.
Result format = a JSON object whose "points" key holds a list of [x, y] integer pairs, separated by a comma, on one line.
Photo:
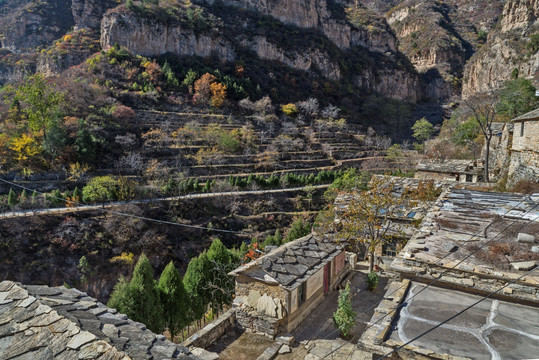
{"points": [[28, 326]]}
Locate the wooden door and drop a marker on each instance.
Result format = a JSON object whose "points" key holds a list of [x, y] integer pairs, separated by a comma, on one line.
{"points": [[326, 278]]}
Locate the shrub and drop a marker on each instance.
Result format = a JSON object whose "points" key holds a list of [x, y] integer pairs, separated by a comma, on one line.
{"points": [[344, 316], [100, 188], [289, 110], [372, 281]]}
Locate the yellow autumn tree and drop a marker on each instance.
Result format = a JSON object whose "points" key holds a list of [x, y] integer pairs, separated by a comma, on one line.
{"points": [[218, 94], [25, 148]]}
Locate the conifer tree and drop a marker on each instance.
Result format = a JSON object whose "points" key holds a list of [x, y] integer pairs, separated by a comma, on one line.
{"points": [[11, 198], [77, 194], [174, 300], [34, 197], [23, 196], [139, 299], [194, 281]]}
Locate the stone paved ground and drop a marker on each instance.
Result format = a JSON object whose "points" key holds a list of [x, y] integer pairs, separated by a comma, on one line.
{"points": [[246, 346], [317, 336]]}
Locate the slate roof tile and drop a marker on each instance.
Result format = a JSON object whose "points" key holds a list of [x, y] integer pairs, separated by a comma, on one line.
{"points": [[39, 322]]}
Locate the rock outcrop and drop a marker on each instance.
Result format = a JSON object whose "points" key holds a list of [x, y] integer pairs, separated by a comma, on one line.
{"points": [[150, 37], [506, 52], [324, 15], [439, 37], [88, 13], [35, 24]]}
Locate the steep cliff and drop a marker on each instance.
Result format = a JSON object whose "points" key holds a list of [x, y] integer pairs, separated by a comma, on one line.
{"points": [[331, 17], [26, 26], [440, 36], [510, 51], [231, 33], [88, 13]]}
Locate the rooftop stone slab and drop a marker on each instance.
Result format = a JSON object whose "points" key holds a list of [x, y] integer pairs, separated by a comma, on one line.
{"points": [[69, 324]]}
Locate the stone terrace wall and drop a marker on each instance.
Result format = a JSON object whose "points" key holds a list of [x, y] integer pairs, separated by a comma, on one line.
{"points": [[211, 332]]}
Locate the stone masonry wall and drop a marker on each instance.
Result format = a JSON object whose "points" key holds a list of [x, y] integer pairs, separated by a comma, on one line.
{"points": [[529, 140], [211, 332]]}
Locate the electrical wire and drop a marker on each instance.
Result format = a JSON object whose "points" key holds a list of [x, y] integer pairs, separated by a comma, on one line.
{"points": [[131, 215], [457, 314], [447, 270]]}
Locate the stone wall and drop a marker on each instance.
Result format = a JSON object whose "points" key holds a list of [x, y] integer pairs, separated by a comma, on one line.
{"points": [[526, 136], [524, 166], [210, 333], [466, 279], [260, 306]]}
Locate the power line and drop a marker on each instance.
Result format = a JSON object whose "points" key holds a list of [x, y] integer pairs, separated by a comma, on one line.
{"points": [[457, 314], [131, 215], [447, 270]]}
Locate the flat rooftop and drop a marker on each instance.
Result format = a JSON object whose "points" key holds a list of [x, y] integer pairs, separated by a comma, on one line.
{"points": [[483, 232], [493, 329]]}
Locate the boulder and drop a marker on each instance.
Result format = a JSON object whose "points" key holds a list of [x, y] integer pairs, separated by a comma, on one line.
{"points": [[526, 238]]}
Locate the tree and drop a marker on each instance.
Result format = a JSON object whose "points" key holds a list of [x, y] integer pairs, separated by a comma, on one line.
{"points": [[517, 97], [11, 198], [482, 108], [100, 188], [220, 286], [344, 317], [423, 130], [218, 94], [174, 300], [202, 88], [298, 229], [41, 103], [367, 219], [194, 281], [139, 299]]}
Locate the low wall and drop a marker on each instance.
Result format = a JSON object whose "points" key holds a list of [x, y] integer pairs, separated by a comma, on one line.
{"points": [[213, 331]]}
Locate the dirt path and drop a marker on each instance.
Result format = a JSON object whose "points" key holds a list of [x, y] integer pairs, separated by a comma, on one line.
{"points": [[14, 214]]}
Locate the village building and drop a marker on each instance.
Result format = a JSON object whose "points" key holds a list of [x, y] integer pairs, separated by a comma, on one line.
{"points": [[450, 170], [277, 291], [471, 244], [41, 322], [525, 148]]}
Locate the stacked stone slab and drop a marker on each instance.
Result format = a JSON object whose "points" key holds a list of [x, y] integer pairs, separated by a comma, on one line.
{"points": [[44, 322]]}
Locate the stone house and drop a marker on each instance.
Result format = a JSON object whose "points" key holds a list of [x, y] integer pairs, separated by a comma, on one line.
{"points": [[525, 150], [471, 244], [451, 170], [277, 291]]}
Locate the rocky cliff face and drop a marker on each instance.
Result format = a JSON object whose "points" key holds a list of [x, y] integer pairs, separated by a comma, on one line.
{"points": [[88, 13], [328, 16], [302, 51], [34, 24], [439, 36], [506, 52]]}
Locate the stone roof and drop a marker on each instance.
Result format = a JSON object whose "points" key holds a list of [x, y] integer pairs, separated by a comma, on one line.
{"points": [[291, 264], [450, 167], [44, 322], [466, 220], [531, 116]]}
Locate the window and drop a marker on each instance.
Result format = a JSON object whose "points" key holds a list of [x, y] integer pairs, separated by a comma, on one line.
{"points": [[390, 248], [522, 129], [302, 291]]}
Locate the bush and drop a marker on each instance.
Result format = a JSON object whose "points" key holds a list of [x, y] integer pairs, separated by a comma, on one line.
{"points": [[100, 188], [372, 281], [344, 317]]}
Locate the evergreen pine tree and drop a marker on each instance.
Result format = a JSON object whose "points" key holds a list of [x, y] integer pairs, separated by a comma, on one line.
{"points": [[243, 249], [139, 299], [34, 197], [145, 296], [23, 196], [194, 282], [77, 194], [174, 300], [11, 198]]}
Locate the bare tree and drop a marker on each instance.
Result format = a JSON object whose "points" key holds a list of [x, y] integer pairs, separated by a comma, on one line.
{"points": [[130, 161], [482, 108], [330, 112], [309, 108]]}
